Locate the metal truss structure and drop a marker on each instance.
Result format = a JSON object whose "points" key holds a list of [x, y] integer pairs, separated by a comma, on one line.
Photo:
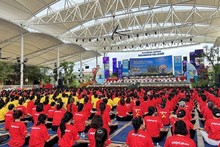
{"points": [[142, 24]]}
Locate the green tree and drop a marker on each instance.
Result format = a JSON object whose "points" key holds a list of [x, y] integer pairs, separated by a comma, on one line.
{"points": [[66, 72], [6, 71], [212, 55], [36, 73]]}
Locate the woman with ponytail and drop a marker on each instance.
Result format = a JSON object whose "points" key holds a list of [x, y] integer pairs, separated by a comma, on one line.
{"points": [[138, 137], [67, 133], [58, 115], [107, 124], [39, 134], [101, 136], [80, 120]]}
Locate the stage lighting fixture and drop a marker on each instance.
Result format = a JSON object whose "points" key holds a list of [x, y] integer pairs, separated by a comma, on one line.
{"points": [[90, 39], [120, 37], [97, 39], [147, 45], [137, 35], [171, 42], [140, 45], [155, 32], [132, 46], [181, 41], [125, 47], [118, 48], [104, 39], [104, 48], [190, 39], [145, 34], [129, 36], [83, 40], [163, 43], [76, 40]]}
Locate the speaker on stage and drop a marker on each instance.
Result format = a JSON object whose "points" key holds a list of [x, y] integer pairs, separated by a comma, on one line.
{"points": [[217, 80], [36, 82], [60, 82], [87, 67]]}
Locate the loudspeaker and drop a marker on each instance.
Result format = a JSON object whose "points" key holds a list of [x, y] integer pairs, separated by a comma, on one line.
{"points": [[36, 82], [60, 82], [217, 80], [86, 67]]}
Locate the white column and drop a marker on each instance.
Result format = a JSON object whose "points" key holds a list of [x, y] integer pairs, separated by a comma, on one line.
{"points": [[96, 59], [58, 64], [81, 63], [22, 62]]}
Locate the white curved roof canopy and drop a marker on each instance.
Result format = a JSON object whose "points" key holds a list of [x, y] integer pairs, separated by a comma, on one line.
{"points": [[39, 48], [145, 24]]}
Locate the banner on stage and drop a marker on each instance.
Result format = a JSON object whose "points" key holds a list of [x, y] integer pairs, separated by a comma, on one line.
{"points": [[178, 66], [125, 68], [151, 66]]}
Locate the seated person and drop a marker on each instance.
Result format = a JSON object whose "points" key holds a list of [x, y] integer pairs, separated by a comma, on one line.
{"points": [[122, 114], [39, 136], [181, 116], [110, 127], [179, 139], [17, 131], [154, 125], [211, 134], [138, 137], [9, 116]]}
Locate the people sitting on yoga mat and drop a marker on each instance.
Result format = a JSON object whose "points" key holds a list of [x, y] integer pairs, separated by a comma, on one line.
{"points": [[122, 113], [139, 137], [180, 138], [18, 131], [211, 131], [110, 127], [181, 116], [154, 125], [39, 135]]}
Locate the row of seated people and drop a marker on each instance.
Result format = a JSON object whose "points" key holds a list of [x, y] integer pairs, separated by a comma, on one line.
{"points": [[151, 118], [144, 80]]}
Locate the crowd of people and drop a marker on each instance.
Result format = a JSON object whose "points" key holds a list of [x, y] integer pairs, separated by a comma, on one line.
{"points": [[71, 113]]}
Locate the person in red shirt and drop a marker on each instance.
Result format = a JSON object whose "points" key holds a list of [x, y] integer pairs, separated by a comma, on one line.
{"points": [[80, 119], [39, 134], [30, 105], [137, 110], [21, 108], [87, 107], [58, 115], [128, 105], [50, 112], [101, 137], [122, 113], [17, 131], [110, 127], [71, 107], [96, 123], [9, 116], [180, 139], [154, 125], [211, 134], [138, 137], [67, 133], [39, 110], [181, 116], [47, 106], [164, 114]]}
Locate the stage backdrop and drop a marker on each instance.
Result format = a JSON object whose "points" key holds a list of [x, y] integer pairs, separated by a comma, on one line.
{"points": [[151, 66]]}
